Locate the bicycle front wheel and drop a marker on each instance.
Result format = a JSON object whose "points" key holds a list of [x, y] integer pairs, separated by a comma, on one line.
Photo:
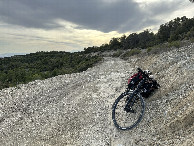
{"points": [[126, 120]]}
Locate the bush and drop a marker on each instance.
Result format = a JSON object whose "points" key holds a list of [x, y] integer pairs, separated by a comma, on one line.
{"points": [[192, 40], [131, 53], [174, 44], [149, 49], [157, 49], [117, 54]]}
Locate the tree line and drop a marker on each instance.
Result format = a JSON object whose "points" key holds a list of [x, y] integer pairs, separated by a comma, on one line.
{"points": [[21, 69], [177, 29]]}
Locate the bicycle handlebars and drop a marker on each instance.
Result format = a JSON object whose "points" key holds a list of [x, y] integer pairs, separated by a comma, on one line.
{"points": [[143, 73]]}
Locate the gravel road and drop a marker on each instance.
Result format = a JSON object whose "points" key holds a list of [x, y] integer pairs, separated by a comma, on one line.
{"points": [[75, 109]]}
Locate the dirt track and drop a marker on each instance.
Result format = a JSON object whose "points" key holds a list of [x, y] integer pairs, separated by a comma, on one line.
{"points": [[76, 109]]}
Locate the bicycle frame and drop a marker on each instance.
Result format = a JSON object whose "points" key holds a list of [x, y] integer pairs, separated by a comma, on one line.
{"points": [[132, 97]]}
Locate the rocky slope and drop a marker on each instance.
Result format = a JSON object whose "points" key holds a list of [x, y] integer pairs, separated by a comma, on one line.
{"points": [[75, 109]]}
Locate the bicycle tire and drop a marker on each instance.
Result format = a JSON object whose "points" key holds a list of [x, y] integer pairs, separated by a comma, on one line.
{"points": [[132, 119]]}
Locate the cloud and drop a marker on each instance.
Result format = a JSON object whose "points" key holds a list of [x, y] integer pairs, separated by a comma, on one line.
{"points": [[102, 15], [19, 39]]}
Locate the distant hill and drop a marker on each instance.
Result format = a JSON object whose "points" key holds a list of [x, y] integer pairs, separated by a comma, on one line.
{"points": [[21, 69], [10, 54]]}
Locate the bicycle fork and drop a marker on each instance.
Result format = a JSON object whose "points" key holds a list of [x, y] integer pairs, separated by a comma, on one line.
{"points": [[130, 103]]}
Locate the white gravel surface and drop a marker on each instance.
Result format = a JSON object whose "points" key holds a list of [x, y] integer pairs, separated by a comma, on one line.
{"points": [[75, 109]]}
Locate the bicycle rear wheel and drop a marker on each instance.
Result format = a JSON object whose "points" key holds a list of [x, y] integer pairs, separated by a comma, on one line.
{"points": [[127, 120]]}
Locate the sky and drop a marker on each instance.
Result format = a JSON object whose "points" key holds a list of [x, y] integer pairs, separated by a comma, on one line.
{"points": [[28, 26]]}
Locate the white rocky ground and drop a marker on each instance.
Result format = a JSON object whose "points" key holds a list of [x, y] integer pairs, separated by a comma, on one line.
{"points": [[76, 109]]}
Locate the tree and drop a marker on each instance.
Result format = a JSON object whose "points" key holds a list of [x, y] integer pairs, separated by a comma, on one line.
{"points": [[191, 1], [132, 41], [114, 44], [123, 41], [163, 33], [145, 38]]}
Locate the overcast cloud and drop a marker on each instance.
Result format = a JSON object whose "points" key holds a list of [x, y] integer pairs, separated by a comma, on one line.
{"points": [[102, 15], [44, 20]]}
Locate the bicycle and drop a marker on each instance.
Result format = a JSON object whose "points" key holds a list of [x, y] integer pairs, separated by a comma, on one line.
{"points": [[128, 109]]}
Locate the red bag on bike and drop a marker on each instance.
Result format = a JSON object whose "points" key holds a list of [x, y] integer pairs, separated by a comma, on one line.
{"points": [[136, 76]]}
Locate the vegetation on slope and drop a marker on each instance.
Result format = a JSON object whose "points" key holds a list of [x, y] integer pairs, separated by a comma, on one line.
{"points": [[41, 65]]}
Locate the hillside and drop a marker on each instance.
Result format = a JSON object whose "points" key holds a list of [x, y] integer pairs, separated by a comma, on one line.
{"points": [[22, 69], [75, 109]]}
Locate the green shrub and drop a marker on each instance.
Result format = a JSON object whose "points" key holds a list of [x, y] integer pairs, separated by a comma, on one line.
{"points": [[149, 49], [117, 54], [174, 44], [157, 49], [131, 53], [192, 40]]}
